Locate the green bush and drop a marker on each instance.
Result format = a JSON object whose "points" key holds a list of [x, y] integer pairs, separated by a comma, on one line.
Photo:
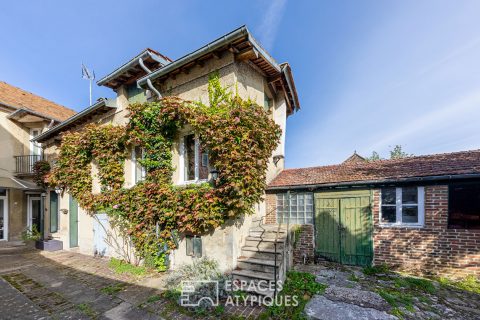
{"points": [[203, 269], [120, 266], [300, 284], [31, 234]]}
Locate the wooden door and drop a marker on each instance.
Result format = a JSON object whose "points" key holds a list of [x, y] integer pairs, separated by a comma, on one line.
{"points": [[73, 222], [343, 223], [355, 231]]}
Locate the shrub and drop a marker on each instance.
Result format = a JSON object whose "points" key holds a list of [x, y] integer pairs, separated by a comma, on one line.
{"points": [[300, 284], [31, 234], [203, 269], [120, 266]]}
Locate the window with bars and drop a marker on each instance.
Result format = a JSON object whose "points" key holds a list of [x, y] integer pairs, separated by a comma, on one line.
{"points": [[295, 207]]}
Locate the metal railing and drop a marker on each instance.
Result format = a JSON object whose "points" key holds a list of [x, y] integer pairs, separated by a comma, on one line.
{"points": [[281, 270], [24, 164]]}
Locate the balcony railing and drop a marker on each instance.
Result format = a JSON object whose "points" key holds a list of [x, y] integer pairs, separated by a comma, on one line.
{"points": [[24, 164]]}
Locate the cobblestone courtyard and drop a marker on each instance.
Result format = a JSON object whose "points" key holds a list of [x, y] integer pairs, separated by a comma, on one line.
{"points": [[67, 285]]}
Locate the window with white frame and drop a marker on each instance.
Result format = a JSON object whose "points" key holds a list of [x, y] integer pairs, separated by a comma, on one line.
{"points": [[295, 207], [138, 171], [194, 159], [402, 206]]}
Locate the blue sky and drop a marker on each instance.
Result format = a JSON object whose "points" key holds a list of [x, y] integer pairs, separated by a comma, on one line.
{"points": [[370, 74]]}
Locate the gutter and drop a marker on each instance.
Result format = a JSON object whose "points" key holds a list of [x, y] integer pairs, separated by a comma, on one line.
{"points": [[212, 46], [149, 82], [145, 54], [102, 103], [38, 114], [376, 182]]}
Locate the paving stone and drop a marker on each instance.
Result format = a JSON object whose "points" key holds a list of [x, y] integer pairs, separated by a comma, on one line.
{"points": [[14, 305], [362, 298], [321, 308]]}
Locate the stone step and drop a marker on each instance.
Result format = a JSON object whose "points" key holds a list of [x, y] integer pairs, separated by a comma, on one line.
{"points": [[264, 244], [268, 229], [252, 275], [267, 235], [261, 253], [261, 265], [279, 240]]}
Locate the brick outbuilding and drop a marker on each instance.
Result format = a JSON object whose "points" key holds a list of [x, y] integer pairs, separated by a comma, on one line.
{"points": [[418, 212]]}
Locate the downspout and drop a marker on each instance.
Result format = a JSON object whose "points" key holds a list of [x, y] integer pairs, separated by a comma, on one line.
{"points": [[149, 82]]}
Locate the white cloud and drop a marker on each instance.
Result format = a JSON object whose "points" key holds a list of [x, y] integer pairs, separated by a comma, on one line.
{"points": [[459, 112], [267, 29]]}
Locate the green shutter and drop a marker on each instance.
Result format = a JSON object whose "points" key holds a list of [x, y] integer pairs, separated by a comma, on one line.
{"points": [[53, 211]]}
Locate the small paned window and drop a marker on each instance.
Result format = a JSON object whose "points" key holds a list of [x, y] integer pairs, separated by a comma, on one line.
{"points": [[195, 159], [138, 170], [402, 206], [194, 246], [295, 207]]}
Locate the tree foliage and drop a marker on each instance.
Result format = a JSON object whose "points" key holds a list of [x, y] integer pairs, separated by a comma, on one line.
{"points": [[396, 153]]}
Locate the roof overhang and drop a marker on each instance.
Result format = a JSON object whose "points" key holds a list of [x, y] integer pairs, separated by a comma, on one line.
{"points": [[14, 183], [100, 107], [132, 70], [373, 183], [26, 115], [246, 48]]}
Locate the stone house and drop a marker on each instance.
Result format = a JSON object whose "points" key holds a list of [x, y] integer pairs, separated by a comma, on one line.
{"points": [[419, 212], [241, 63], [23, 116]]}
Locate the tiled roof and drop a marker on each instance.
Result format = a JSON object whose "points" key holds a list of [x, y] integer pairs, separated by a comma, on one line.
{"points": [[456, 163], [21, 99]]}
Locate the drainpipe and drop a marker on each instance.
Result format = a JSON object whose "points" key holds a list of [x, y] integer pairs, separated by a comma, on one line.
{"points": [[42, 215], [149, 82]]}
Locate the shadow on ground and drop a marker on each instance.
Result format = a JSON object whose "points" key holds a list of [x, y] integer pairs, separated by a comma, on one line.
{"points": [[66, 285]]}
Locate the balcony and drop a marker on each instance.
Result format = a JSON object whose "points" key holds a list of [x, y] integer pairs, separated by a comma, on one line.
{"points": [[24, 164]]}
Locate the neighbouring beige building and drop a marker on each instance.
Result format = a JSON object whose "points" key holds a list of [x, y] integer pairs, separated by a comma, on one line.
{"points": [[241, 63], [23, 116]]}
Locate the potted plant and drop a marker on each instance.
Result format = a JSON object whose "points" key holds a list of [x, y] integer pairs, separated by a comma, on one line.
{"points": [[31, 235]]}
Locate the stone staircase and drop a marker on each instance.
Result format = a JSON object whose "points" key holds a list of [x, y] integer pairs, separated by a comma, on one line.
{"points": [[257, 260]]}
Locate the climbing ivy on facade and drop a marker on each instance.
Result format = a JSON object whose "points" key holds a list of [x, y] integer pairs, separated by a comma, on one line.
{"points": [[239, 135]]}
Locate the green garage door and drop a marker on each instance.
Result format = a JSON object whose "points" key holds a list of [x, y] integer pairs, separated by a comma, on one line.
{"points": [[343, 222]]}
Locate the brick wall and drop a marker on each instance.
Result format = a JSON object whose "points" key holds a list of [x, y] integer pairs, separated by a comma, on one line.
{"points": [[271, 214], [433, 248], [304, 246]]}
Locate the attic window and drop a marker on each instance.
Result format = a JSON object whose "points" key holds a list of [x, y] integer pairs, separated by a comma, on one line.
{"points": [[464, 206]]}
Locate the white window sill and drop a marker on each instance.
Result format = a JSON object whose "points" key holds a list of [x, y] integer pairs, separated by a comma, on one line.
{"points": [[401, 225]]}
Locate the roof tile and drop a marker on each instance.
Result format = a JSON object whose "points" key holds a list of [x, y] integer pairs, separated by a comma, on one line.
{"points": [[21, 99], [456, 163]]}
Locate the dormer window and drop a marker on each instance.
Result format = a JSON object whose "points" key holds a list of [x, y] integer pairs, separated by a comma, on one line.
{"points": [[193, 159]]}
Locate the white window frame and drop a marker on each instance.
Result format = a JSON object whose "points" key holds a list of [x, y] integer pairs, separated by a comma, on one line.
{"points": [[399, 205], [34, 144], [198, 161], [134, 160], [5, 215]]}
